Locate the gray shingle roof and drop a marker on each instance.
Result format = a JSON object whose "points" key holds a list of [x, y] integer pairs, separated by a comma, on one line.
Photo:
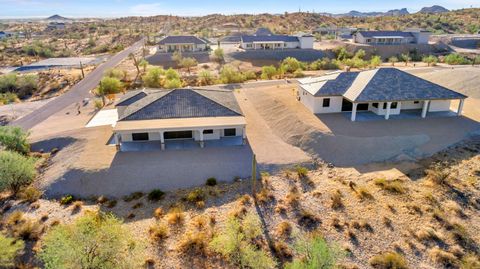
{"points": [[263, 31], [131, 97], [391, 84], [337, 86], [178, 39], [269, 38], [183, 103], [385, 33]]}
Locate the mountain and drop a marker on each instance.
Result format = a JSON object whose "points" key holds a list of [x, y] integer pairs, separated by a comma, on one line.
{"points": [[57, 18], [354, 13], [433, 9]]}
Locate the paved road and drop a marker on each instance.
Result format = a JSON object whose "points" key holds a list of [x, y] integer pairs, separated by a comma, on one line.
{"points": [[77, 93]]}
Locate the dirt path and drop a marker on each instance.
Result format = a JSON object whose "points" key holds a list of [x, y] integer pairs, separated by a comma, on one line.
{"points": [[270, 149]]}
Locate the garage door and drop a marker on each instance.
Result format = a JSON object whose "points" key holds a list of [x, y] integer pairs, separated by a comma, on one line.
{"points": [[178, 135]]}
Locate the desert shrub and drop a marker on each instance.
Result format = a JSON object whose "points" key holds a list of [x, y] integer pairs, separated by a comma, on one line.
{"points": [[282, 250], [394, 186], [218, 55], [66, 200], [470, 261], [172, 83], [236, 243], [133, 196], [211, 181], [264, 196], [14, 139], [375, 61], [228, 74], [155, 195], [115, 73], [95, 240], [8, 97], [195, 196], [445, 258], [324, 64], [153, 78], [290, 65], [314, 252], [430, 60], [389, 260], [250, 74], [456, 59], [284, 229], [28, 230], [194, 243], [10, 249], [29, 194], [175, 216], [16, 170], [158, 232], [302, 171], [77, 206], [299, 73], [205, 78], [158, 213], [337, 200], [98, 104], [268, 72], [437, 174]]}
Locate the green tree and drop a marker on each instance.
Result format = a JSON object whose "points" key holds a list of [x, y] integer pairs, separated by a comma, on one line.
{"points": [[205, 78], [406, 58], [144, 64], [229, 75], [235, 242], [95, 240], [314, 253], [15, 139], [268, 72], [114, 73], [10, 249], [172, 74], [109, 85], [218, 55], [16, 170], [177, 56], [188, 62], [375, 61], [173, 83], [455, 59], [291, 64], [342, 54], [430, 60], [153, 78], [360, 54], [393, 60]]}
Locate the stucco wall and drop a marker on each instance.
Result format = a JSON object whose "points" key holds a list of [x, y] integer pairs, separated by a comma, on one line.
{"points": [[306, 42], [439, 105], [315, 104]]}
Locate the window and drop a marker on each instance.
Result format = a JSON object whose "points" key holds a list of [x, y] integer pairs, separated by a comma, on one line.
{"points": [[416, 102], [375, 105], [178, 135], [208, 131], [140, 136], [326, 102], [392, 106], [230, 132]]}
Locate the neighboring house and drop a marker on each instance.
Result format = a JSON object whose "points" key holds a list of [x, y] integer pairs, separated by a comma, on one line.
{"points": [[56, 26], [183, 44], [272, 42], [413, 36], [384, 91], [7, 34], [190, 117], [337, 32], [3, 35]]}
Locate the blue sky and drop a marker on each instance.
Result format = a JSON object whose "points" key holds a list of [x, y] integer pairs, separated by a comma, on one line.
{"points": [[117, 8]]}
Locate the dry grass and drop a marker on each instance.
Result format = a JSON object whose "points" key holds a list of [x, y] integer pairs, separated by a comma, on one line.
{"points": [[175, 216], [158, 232], [194, 244], [244, 199], [429, 235], [137, 205], [158, 213], [363, 193], [389, 260], [77, 206], [284, 229], [28, 230], [200, 222], [29, 194], [293, 198], [442, 257], [393, 186], [336, 198], [133, 196], [264, 196], [282, 250], [437, 174]]}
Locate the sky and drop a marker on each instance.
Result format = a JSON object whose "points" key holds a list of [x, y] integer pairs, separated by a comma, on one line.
{"points": [[120, 8]]}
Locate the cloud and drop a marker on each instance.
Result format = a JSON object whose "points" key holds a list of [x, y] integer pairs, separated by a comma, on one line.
{"points": [[146, 9]]}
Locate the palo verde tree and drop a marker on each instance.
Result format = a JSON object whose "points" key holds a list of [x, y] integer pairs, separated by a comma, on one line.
{"points": [[16, 170], [95, 240], [108, 86], [14, 139]]}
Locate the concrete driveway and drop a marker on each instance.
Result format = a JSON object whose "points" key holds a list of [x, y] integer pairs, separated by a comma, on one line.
{"points": [[144, 171]]}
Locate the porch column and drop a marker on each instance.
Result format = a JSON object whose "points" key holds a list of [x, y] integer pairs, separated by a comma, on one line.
{"points": [[244, 136], [425, 108], [202, 143], [354, 111], [117, 139], [387, 114], [460, 107], [162, 141]]}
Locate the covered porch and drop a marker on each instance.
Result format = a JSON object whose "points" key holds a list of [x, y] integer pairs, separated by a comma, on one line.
{"points": [[403, 109], [268, 45]]}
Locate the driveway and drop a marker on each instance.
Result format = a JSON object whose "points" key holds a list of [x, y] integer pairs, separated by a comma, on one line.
{"points": [[77, 93]]}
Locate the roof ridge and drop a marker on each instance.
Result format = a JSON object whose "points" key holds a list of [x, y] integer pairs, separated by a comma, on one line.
{"points": [[216, 102]]}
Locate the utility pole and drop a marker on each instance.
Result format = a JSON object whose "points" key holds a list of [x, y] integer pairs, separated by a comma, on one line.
{"points": [[81, 67]]}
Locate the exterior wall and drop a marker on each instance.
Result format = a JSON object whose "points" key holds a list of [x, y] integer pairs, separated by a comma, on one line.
{"points": [[412, 105], [315, 104], [306, 42], [439, 105], [216, 135], [191, 47], [286, 45], [381, 111], [421, 37]]}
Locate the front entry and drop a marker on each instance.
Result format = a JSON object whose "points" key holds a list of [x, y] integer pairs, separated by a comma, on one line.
{"points": [[178, 135], [348, 106]]}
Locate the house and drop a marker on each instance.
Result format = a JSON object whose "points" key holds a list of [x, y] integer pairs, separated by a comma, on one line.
{"points": [[179, 117], [183, 44], [384, 91], [56, 26], [272, 42], [412, 36], [337, 32]]}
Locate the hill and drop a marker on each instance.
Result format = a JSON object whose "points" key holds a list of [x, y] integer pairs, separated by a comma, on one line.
{"points": [[433, 9]]}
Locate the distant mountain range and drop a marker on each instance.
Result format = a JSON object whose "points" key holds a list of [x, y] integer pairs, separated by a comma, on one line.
{"points": [[393, 12], [57, 18]]}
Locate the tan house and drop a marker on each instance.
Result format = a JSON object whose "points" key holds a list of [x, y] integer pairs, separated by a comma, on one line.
{"points": [[182, 44]]}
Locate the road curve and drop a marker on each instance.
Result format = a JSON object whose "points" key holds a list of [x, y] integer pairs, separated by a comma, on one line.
{"points": [[77, 93]]}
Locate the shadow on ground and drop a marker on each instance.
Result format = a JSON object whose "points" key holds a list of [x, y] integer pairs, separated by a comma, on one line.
{"points": [[47, 145]]}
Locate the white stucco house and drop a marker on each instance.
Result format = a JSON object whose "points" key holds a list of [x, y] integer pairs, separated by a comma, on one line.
{"points": [[410, 36], [276, 42], [183, 44], [188, 116], [384, 91]]}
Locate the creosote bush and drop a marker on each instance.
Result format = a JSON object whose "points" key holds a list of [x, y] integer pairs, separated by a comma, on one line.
{"points": [[393, 186], [175, 216], [16, 170], [211, 181], [389, 260], [10, 249], [66, 200], [29, 194], [158, 232], [155, 195]]}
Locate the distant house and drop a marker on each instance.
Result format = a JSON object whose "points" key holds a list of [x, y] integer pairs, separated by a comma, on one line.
{"points": [[179, 118], [337, 32], [413, 36], [7, 34], [182, 43], [3, 35], [56, 26], [384, 91], [264, 39]]}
